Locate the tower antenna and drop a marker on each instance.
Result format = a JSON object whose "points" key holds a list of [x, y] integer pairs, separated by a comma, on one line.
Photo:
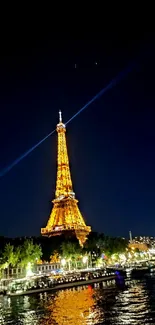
{"points": [[60, 117], [130, 236]]}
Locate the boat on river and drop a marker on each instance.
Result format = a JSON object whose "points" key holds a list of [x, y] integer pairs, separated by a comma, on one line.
{"points": [[44, 285]]}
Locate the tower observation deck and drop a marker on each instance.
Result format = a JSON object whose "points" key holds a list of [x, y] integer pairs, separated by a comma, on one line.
{"points": [[65, 218]]}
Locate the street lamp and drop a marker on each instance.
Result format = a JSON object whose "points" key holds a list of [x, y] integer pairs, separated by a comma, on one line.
{"points": [[29, 270], [63, 262], [85, 260]]}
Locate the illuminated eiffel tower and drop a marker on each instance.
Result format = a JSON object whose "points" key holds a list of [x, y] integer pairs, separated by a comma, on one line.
{"points": [[65, 217]]}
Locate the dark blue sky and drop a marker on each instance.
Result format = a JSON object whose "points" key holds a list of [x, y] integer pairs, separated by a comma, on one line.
{"points": [[111, 144]]}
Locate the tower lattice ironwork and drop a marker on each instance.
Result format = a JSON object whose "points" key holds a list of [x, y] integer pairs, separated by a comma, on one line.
{"points": [[65, 217]]}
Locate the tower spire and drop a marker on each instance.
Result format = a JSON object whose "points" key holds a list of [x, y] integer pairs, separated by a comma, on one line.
{"points": [[60, 117]]}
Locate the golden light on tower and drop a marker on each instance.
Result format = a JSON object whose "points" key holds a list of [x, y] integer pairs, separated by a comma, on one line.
{"points": [[65, 217]]}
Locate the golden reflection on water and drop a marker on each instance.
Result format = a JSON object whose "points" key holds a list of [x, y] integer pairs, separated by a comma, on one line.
{"points": [[72, 307], [135, 304]]}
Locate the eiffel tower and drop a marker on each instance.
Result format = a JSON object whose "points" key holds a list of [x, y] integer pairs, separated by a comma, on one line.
{"points": [[65, 217]]}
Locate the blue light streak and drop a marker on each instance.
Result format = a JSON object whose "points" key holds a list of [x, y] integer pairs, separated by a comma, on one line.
{"points": [[114, 81]]}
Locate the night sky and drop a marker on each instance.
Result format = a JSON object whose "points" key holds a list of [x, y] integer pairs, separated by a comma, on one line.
{"points": [[111, 144]]}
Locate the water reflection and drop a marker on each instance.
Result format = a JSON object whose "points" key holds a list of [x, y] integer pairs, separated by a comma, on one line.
{"points": [[18, 310], [84, 306], [73, 307], [132, 305]]}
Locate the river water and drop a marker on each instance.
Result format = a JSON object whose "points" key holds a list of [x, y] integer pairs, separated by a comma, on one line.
{"points": [[87, 305]]}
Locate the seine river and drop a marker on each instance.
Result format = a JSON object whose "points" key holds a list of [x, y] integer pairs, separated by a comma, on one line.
{"points": [[99, 304]]}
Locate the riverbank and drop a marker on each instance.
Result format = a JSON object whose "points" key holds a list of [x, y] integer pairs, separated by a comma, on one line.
{"points": [[62, 286], [72, 280]]}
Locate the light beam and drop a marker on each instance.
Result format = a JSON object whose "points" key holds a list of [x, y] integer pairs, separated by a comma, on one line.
{"points": [[114, 81]]}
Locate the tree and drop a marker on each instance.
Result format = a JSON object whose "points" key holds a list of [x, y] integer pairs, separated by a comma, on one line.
{"points": [[98, 244], [94, 243], [9, 257], [71, 251], [17, 253], [29, 253], [114, 245]]}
